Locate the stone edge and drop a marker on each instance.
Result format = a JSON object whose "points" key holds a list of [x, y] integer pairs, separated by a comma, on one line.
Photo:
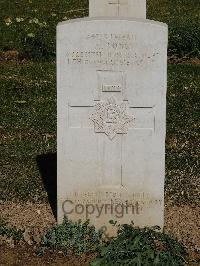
{"points": [[87, 19]]}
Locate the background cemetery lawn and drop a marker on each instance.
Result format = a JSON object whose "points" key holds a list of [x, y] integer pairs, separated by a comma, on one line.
{"points": [[28, 97], [28, 94], [29, 26]]}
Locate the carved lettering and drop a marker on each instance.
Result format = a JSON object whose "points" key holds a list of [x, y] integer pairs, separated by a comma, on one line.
{"points": [[112, 50], [111, 88]]}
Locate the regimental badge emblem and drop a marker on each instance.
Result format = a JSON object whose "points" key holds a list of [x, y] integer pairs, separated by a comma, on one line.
{"points": [[111, 117]]}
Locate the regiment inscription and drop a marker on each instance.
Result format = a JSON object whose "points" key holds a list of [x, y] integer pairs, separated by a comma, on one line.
{"points": [[113, 50]]}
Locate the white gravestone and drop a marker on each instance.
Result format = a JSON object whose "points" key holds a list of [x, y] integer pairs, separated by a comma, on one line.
{"points": [[112, 82], [122, 8]]}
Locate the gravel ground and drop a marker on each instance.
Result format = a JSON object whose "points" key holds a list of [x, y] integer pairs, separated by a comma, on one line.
{"points": [[181, 222]]}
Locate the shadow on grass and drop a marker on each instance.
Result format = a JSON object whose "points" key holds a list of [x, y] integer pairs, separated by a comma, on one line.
{"points": [[47, 164]]}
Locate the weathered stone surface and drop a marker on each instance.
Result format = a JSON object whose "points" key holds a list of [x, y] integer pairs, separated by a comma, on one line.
{"points": [[115, 8], [112, 80]]}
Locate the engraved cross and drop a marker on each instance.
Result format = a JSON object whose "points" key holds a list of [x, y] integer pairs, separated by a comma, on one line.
{"points": [[114, 127], [110, 121], [119, 4]]}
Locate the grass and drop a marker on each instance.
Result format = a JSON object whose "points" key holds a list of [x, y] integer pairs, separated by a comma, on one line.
{"points": [[28, 127], [30, 26], [28, 130], [28, 94], [183, 112], [182, 17], [35, 36], [10, 231]]}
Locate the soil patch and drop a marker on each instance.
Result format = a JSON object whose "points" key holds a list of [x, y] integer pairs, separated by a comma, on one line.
{"points": [[27, 215], [184, 224], [25, 255], [181, 222]]}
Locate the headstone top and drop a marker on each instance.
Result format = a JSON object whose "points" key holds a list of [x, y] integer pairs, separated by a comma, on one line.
{"points": [[109, 19], [118, 8]]}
